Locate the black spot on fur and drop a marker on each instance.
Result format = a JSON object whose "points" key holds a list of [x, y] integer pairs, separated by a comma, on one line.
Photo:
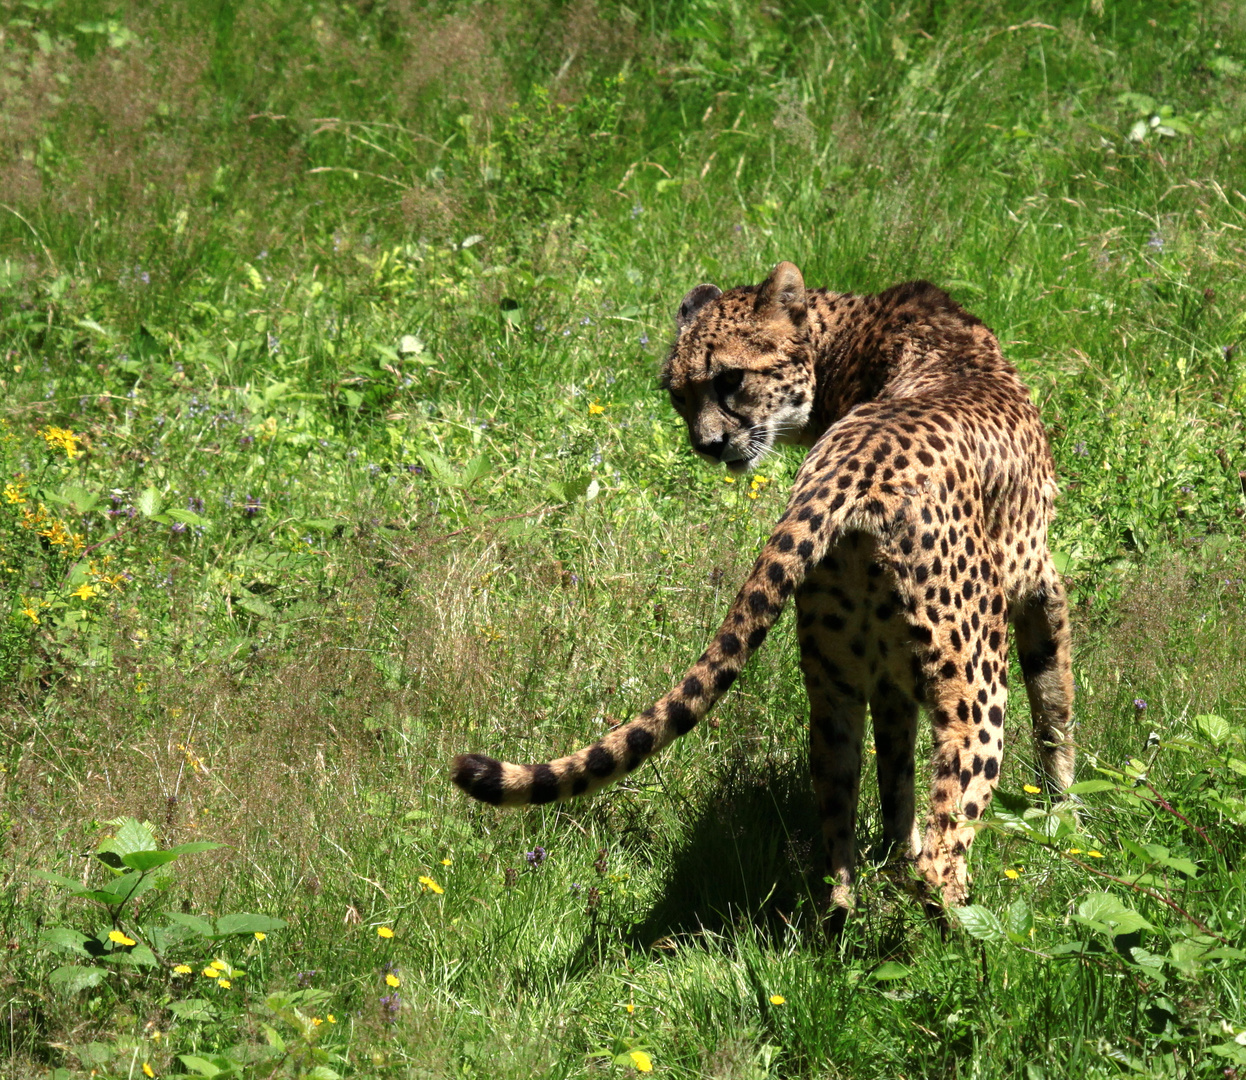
{"points": [[600, 761], [544, 784]]}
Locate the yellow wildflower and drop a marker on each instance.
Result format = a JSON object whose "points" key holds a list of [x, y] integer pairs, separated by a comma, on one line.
{"points": [[1095, 854], [630, 1008], [728, 479], [13, 494], [118, 938], [1012, 874], [61, 438], [182, 969], [392, 980], [1075, 851], [33, 615], [225, 984], [211, 973], [316, 1021], [384, 931], [1030, 789], [57, 534], [446, 862], [642, 1061], [331, 1018], [260, 935], [147, 1070], [596, 410], [220, 965], [430, 884], [85, 591], [778, 999], [752, 493]]}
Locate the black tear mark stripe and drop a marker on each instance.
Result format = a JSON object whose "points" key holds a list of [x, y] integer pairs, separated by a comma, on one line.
{"points": [[780, 568]]}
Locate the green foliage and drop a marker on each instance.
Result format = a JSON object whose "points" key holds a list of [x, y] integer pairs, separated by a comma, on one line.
{"points": [[330, 447]]}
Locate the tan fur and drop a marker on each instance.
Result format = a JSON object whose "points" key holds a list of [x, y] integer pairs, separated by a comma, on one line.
{"points": [[916, 530]]}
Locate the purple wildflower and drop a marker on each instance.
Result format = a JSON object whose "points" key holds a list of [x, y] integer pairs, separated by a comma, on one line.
{"points": [[536, 856], [252, 508], [1155, 242], [390, 1006], [1139, 704]]}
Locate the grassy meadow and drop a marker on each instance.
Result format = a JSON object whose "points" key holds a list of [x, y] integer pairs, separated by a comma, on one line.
{"points": [[331, 446]]}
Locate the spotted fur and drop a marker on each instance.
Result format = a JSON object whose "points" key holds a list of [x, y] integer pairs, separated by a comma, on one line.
{"points": [[915, 532]]}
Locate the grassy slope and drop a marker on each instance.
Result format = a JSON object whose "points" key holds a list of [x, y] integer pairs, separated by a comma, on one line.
{"points": [[336, 288]]}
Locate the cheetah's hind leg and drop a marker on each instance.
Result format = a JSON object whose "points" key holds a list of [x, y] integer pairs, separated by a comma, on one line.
{"points": [[1042, 627]]}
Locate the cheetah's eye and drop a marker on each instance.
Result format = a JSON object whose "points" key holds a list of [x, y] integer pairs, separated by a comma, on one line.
{"points": [[728, 382], [677, 399]]}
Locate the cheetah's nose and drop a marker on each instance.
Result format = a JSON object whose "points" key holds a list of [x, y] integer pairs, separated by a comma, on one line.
{"points": [[711, 449]]}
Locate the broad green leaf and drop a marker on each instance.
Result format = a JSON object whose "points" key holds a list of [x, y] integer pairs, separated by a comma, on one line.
{"points": [[890, 970], [1216, 728], [61, 937], [1103, 911], [203, 927], [73, 978], [148, 502], [126, 888], [138, 956], [980, 922], [131, 835], [244, 923], [192, 1009], [1020, 919], [1089, 787], [200, 1066], [148, 860]]}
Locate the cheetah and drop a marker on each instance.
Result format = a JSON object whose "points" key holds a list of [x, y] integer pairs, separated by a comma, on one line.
{"points": [[916, 530]]}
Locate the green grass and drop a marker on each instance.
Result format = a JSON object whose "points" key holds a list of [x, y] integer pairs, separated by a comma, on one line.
{"points": [[324, 294]]}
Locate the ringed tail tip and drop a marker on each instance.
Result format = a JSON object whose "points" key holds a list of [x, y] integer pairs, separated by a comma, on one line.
{"points": [[479, 776]]}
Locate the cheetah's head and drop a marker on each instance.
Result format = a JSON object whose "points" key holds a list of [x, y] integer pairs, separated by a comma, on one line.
{"points": [[741, 372]]}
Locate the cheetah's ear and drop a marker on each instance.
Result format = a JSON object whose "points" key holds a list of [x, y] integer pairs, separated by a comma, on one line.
{"points": [[694, 302], [783, 292]]}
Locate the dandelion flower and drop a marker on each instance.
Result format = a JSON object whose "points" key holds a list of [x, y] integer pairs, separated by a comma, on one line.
{"points": [[1012, 874], [260, 935], [211, 973], [430, 884], [641, 1061], [118, 938], [220, 965], [778, 999], [384, 931], [182, 969], [1030, 789], [148, 1070], [224, 984], [447, 862], [596, 410], [392, 981]]}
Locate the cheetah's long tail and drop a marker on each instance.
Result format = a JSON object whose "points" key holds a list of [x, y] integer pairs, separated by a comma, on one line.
{"points": [[799, 541]]}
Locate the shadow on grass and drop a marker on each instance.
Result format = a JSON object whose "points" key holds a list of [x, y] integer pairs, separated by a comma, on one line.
{"points": [[752, 855]]}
